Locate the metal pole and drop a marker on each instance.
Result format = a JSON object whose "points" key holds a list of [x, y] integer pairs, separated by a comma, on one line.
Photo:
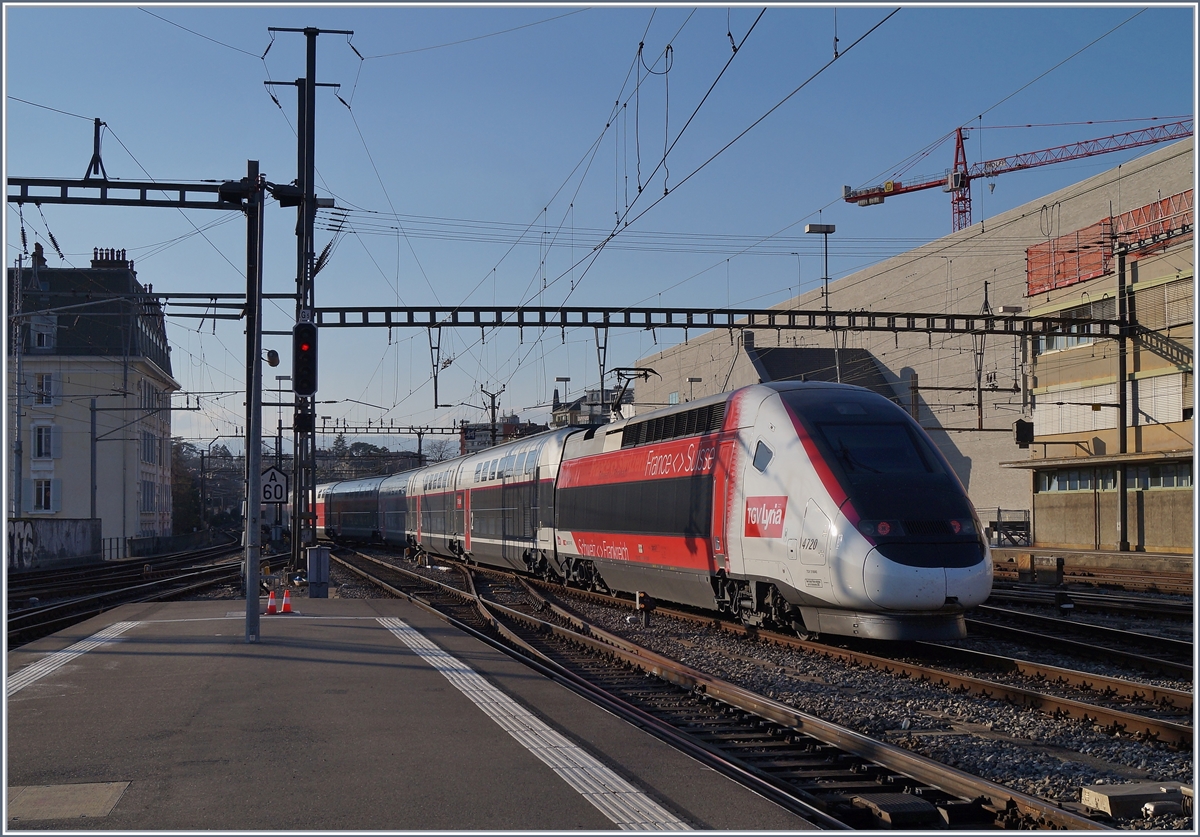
{"points": [[93, 480], [1122, 406], [253, 535], [826, 237], [18, 353]]}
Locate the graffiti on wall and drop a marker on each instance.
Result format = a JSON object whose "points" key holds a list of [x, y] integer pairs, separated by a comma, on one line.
{"points": [[22, 542]]}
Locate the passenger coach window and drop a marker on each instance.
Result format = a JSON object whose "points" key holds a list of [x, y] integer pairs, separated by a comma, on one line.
{"points": [[762, 455], [877, 449]]}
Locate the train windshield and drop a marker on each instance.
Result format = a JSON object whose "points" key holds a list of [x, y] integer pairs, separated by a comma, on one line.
{"points": [[877, 448]]}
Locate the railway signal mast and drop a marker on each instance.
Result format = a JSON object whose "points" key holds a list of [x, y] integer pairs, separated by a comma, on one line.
{"points": [[304, 380], [957, 181]]}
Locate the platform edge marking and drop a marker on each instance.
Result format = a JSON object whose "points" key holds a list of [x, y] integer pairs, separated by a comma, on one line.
{"points": [[57, 659], [627, 807]]}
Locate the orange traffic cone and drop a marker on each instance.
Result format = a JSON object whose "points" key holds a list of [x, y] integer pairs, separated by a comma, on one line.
{"points": [[271, 603], [287, 602]]}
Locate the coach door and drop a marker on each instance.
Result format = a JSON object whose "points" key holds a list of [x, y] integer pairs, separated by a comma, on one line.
{"points": [[723, 489], [462, 514]]}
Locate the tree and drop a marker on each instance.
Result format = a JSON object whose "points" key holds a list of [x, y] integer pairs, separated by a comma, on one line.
{"points": [[359, 450], [439, 450], [339, 449], [185, 487]]}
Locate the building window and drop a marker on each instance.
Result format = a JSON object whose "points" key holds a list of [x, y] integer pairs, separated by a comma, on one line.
{"points": [[42, 495], [43, 441], [1137, 478], [41, 332], [149, 496], [43, 388], [1080, 335], [149, 447], [1167, 475], [673, 398]]}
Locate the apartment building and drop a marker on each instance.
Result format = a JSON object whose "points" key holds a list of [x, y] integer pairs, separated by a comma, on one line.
{"points": [[90, 382]]}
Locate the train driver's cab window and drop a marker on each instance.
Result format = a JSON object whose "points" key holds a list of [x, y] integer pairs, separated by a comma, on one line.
{"points": [[762, 456], [878, 449]]}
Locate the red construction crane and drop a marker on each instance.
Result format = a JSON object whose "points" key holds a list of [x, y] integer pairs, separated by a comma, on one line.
{"points": [[957, 181]]}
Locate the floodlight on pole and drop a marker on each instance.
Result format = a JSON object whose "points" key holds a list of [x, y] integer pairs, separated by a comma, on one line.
{"points": [[825, 230]]}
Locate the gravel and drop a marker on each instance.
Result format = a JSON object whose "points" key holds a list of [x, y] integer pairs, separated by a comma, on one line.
{"points": [[1022, 749]]}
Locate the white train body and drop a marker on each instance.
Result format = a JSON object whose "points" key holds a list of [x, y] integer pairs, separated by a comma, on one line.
{"points": [[822, 507]]}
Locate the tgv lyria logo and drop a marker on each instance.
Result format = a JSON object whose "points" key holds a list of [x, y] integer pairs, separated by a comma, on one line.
{"points": [[764, 516]]}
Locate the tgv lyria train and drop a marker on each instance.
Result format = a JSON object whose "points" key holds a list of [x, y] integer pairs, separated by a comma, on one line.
{"points": [[820, 507]]}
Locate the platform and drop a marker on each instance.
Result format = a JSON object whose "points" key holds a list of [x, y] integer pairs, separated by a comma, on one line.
{"points": [[353, 714], [1164, 562]]}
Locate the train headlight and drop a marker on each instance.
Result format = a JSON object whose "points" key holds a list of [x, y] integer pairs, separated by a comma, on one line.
{"points": [[880, 528], [963, 526]]}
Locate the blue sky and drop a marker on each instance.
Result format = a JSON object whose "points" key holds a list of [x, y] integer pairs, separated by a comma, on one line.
{"points": [[482, 153]]}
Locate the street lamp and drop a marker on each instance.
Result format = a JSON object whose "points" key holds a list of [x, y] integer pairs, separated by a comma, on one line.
{"points": [[797, 255], [690, 382], [825, 230]]}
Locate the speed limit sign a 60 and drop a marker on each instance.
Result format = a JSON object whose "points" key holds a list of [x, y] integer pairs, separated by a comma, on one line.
{"points": [[274, 486]]}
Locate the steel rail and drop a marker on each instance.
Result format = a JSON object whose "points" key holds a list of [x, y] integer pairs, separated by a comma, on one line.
{"points": [[529, 656], [1115, 720], [921, 768], [1129, 689], [1168, 667], [1100, 602], [1178, 646], [789, 799], [916, 767]]}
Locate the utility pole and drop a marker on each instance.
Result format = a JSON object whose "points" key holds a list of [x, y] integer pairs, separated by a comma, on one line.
{"points": [[1122, 403], [18, 389], [304, 495], [254, 255], [493, 396], [979, 341]]}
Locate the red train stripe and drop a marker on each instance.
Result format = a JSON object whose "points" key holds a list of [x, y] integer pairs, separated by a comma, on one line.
{"points": [[832, 487], [693, 456], [691, 553]]}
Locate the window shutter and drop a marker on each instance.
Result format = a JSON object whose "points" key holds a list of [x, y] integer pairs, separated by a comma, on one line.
{"points": [[56, 442], [26, 496], [55, 495], [1151, 308], [1178, 302], [56, 389]]}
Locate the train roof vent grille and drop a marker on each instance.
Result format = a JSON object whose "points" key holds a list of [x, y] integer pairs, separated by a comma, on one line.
{"points": [[706, 419]]}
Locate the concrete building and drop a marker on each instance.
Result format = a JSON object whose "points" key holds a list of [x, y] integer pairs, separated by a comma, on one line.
{"points": [[91, 353], [1076, 455], [588, 408], [474, 437], [937, 377]]}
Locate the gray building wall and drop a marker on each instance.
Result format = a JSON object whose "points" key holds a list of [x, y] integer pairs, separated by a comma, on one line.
{"points": [[944, 276]]}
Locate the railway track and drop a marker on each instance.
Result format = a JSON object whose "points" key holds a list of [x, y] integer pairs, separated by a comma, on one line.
{"points": [[1106, 602], [82, 597], [832, 775], [1117, 578], [1102, 692], [1166, 655]]}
